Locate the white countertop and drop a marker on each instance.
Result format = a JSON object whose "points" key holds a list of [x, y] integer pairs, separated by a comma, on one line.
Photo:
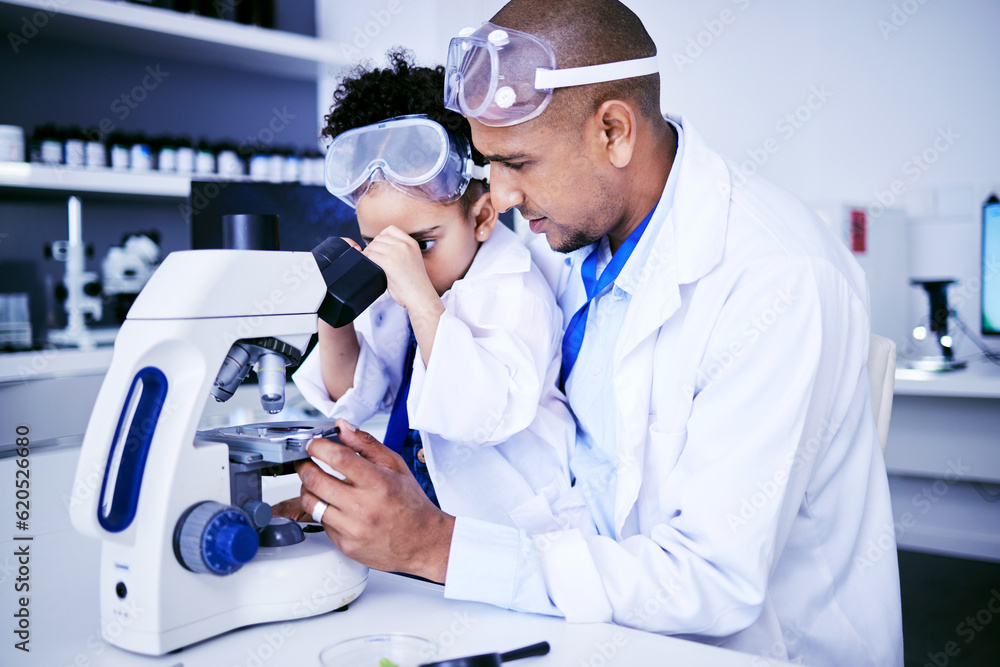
{"points": [[66, 626], [53, 363], [980, 379], [65, 619]]}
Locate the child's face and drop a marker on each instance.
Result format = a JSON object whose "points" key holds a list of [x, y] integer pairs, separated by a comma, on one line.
{"points": [[446, 236]]}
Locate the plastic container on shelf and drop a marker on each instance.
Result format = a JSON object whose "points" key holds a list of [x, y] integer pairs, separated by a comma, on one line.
{"points": [[11, 143], [204, 159], [141, 154], [185, 156], [312, 168], [75, 148], [292, 169], [95, 152], [276, 167], [118, 150], [260, 166], [47, 145], [230, 164], [165, 148]]}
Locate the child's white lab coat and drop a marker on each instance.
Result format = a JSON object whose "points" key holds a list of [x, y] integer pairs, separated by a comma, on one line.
{"points": [[497, 434]]}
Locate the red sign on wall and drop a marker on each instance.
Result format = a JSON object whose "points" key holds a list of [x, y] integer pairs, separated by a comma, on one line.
{"points": [[859, 231]]}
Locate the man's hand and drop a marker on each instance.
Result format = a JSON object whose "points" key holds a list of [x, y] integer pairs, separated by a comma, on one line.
{"points": [[379, 515]]}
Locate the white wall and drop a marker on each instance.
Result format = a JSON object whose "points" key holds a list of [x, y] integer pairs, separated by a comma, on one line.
{"points": [[886, 80], [891, 91], [365, 30]]}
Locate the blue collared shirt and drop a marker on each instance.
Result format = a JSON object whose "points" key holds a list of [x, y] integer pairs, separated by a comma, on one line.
{"points": [[589, 387]]}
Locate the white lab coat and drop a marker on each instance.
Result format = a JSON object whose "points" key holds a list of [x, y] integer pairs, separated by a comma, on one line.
{"points": [[496, 432], [752, 506]]}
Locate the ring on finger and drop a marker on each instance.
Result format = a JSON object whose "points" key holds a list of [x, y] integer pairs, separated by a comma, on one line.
{"points": [[318, 510]]}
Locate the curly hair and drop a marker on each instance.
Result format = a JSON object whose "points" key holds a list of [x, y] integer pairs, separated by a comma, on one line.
{"points": [[369, 95]]}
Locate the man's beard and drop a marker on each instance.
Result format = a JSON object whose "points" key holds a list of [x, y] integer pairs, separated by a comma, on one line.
{"points": [[578, 239]]}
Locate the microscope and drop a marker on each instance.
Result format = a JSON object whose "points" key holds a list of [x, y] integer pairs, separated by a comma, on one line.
{"points": [[81, 287], [937, 296], [189, 549]]}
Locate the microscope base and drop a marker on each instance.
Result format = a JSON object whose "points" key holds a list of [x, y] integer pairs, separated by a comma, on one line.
{"points": [[936, 364]]}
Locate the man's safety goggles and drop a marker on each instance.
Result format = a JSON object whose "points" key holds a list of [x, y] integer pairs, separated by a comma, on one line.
{"points": [[504, 77], [414, 154]]}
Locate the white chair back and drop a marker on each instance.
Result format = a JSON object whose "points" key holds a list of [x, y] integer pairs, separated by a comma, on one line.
{"points": [[882, 374]]}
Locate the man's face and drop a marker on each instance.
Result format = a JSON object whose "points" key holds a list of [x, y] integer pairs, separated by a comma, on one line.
{"points": [[555, 177]]}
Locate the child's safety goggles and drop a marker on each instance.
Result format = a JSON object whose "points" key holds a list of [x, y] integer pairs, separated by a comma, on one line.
{"points": [[504, 77], [414, 154]]}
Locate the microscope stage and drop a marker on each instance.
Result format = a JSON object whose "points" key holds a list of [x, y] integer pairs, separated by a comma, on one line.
{"points": [[271, 442]]}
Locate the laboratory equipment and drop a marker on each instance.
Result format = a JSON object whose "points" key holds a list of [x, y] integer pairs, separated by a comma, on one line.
{"points": [[126, 269], [15, 322], [493, 659], [937, 294], [389, 648], [990, 291], [82, 287], [317, 215], [11, 143], [188, 549]]}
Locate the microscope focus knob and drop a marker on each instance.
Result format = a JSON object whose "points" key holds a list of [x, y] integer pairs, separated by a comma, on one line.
{"points": [[212, 538]]}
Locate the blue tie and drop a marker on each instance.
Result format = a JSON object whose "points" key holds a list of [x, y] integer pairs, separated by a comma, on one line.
{"points": [[573, 338], [399, 421]]}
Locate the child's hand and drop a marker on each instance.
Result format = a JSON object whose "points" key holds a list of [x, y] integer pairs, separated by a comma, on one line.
{"points": [[399, 256]]}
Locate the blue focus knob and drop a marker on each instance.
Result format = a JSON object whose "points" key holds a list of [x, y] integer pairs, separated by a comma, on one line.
{"points": [[213, 538]]}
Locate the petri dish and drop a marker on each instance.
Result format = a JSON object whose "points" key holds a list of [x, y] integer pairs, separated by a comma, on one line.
{"points": [[370, 650]]}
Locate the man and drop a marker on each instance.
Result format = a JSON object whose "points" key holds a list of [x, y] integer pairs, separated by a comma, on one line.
{"points": [[715, 359]]}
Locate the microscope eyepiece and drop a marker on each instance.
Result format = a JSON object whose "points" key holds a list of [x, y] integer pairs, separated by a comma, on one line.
{"points": [[353, 281]]}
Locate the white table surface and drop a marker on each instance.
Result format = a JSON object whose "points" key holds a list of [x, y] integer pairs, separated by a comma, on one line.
{"points": [[65, 616], [66, 626], [980, 379]]}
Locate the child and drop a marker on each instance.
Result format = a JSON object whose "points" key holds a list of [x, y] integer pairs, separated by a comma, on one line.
{"points": [[475, 412]]}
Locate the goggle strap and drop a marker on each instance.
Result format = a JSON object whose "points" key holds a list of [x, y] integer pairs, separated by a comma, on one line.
{"points": [[478, 173], [547, 79]]}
